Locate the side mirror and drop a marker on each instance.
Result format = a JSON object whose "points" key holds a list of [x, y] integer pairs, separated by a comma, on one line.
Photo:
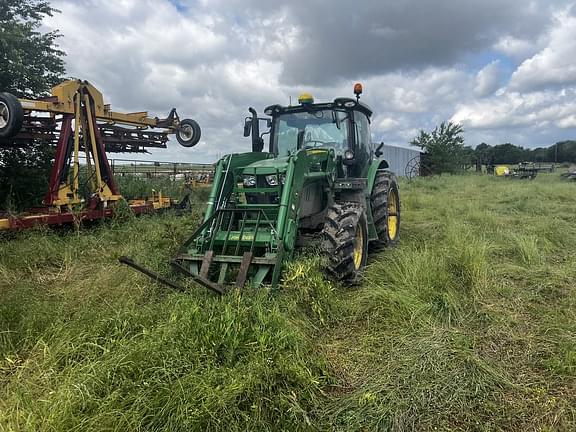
{"points": [[378, 152], [247, 127]]}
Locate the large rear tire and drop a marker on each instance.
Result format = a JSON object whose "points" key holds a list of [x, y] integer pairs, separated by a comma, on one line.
{"points": [[385, 202], [345, 241], [11, 115]]}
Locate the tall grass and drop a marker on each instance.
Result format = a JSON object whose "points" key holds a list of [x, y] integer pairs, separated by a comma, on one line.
{"points": [[469, 324]]}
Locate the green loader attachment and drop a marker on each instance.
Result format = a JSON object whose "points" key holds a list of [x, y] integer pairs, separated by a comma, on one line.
{"points": [[250, 226]]}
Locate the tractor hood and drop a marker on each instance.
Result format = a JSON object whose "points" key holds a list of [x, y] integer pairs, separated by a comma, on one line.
{"points": [[266, 166]]}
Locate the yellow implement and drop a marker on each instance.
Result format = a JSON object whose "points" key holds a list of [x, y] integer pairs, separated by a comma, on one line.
{"points": [[501, 171]]}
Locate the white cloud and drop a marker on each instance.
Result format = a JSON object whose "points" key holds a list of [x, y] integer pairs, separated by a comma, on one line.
{"points": [[213, 59], [535, 110], [553, 65], [517, 49], [488, 79], [419, 92], [387, 124]]}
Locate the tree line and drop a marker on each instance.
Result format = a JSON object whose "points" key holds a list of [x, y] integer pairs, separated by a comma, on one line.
{"points": [[562, 151], [445, 152]]}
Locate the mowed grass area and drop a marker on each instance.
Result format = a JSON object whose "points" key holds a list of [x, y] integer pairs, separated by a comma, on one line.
{"points": [[469, 324]]}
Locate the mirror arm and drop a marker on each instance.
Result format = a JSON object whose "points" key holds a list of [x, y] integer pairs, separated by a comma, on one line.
{"points": [[378, 152]]}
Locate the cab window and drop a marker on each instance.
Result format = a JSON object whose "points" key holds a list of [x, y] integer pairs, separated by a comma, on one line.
{"points": [[322, 128]]}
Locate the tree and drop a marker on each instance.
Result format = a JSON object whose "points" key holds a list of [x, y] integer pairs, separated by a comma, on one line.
{"points": [[30, 64], [30, 61], [444, 147], [563, 151], [468, 157], [509, 154]]}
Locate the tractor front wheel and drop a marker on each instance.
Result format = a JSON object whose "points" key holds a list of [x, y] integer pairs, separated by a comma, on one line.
{"points": [[11, 115], [345, 241], [385, 201]]}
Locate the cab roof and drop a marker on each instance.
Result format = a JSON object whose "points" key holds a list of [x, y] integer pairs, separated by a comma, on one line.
{"points": [[340, 103]]}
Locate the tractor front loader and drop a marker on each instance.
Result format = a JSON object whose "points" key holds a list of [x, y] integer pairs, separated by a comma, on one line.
{"points": [[320, 175]]}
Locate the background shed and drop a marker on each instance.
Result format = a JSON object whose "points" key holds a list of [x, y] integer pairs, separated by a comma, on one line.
{"points": [[398, 157]]}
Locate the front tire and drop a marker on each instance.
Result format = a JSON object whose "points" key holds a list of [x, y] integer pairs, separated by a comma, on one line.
{"points": [[11, 115], [345, 241]]}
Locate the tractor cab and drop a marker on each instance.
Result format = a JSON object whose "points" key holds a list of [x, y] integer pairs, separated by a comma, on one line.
{"points": [[342, 125]]}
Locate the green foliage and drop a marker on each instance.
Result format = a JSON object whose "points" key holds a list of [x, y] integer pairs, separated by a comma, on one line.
{"points": [[132, 187], [30, 64], [468, 324], [24, 175], [563, 151], [444, 148], [508, 153]]}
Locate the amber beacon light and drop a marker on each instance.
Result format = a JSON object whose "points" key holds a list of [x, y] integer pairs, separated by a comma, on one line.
{"points": [[357, 90]]}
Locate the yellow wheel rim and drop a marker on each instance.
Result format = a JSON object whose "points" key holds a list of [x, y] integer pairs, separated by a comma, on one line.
{"points": [[359, 248], [392, 214]]}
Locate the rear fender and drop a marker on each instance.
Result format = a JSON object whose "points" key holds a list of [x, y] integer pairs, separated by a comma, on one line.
{"points": [[371, 178]]}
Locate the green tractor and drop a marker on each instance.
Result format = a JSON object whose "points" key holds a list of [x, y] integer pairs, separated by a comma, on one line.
{"points": [[321, 175]]}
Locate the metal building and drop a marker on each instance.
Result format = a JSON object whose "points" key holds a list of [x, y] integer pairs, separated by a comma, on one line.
{"points": [[399, 157]]}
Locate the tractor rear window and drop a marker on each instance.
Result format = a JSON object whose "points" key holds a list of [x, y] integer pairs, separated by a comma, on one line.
{"points": [[317, 129]]}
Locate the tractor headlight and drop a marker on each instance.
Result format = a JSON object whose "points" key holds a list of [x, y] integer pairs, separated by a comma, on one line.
{"points": [[348, 155], [282, 179], [272, 180], [249, 181]]}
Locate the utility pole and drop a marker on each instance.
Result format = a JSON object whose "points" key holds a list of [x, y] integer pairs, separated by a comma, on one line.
{"points": [[556, 153]]}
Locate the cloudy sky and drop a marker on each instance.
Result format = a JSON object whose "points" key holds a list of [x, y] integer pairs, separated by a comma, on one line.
{"points": [[505, 69]]}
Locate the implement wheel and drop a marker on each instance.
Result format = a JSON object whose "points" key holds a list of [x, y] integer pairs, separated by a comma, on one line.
{"points": [[385, 201], [11, 115], [345, 241], [188, 133]]}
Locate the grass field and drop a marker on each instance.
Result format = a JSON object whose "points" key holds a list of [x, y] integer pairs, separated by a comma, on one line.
{"points": [[469, 324]]}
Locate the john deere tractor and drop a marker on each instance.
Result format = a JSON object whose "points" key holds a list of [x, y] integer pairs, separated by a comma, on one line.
{"points": [[320, 176]]}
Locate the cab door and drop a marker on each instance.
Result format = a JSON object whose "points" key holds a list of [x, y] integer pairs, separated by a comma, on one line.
{"points": [[363, 151]]}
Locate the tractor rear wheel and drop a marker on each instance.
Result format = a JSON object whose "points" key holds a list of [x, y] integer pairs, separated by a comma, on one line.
{"points": [[11, 115], [345, 241], [385, 201]]}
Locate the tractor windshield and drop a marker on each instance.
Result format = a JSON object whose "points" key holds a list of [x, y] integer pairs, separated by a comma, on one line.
{"points": [[310, 129]]}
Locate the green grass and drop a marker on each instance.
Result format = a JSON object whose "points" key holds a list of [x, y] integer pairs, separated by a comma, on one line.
{"points": [[470, 324], [133, 187]]}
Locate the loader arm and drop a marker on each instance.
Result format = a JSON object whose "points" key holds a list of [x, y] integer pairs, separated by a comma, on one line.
{"points": [[251, 223]]}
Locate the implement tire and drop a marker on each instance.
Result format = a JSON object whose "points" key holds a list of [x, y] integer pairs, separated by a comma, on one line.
{"points": [[345, 241], [11, 115], [385, 203], [188, 133]]}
